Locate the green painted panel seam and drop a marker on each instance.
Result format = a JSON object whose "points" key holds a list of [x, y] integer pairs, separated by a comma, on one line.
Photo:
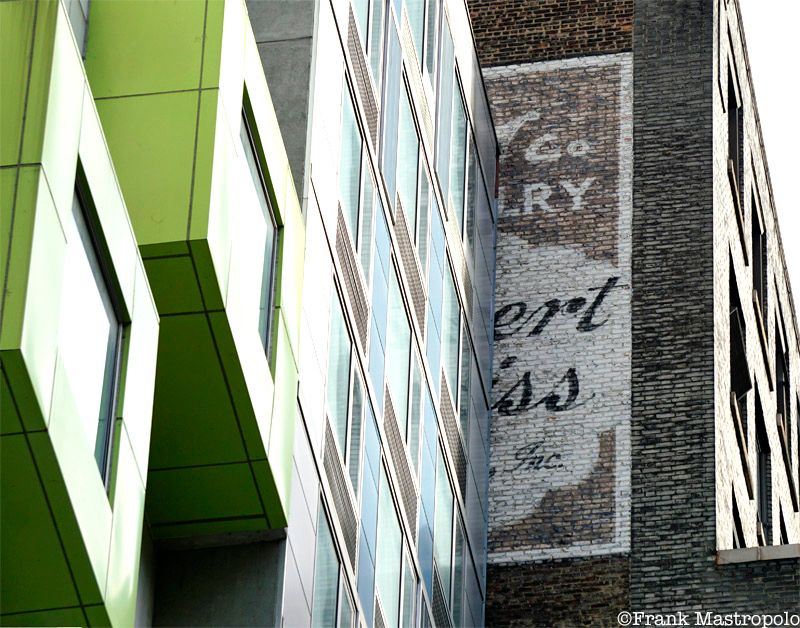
{"points": [[23, 431], [161, 93], [211, 520], [7, 270], [174, 314], [235, 412], [204, 466], [21, 164], [16, 362], [191, 200], [49, 609], [17, 409], [55, 526], [197, 122], [258, 490], [174, 256]]}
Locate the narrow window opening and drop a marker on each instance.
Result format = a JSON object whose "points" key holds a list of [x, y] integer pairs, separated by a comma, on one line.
{"points": [[758, 248], [740, 374], [270, 236], [100, 357], [738, 532], [784, 534], [783, 380], [764, 483], [735, 140]]}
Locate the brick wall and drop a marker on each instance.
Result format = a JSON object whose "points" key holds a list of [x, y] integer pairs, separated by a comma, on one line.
{"points": [[519, 31], [560, 439], [551, 514], [573, 592], [674, 373]]}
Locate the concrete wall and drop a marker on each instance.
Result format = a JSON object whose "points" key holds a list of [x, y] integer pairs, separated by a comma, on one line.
{"points": [[284, 32], [232, 585]]}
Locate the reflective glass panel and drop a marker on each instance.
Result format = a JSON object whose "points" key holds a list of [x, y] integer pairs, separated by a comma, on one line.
{"points": [[90, 336], [326, 576], [389, 555], [338, 373]]}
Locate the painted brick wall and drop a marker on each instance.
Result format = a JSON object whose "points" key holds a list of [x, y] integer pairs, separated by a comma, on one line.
{"points": [[560, 440], [520, 31]]}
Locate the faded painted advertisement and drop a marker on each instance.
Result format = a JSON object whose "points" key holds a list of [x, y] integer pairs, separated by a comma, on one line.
{"points": [[560, 442]]}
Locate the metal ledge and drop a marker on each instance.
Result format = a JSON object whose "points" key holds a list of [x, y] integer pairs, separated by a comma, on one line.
{"points": [[752, 554]]}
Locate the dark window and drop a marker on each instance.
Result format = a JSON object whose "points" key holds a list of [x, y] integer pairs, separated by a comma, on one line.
{"points": [[782, 377], [101, 332], [735, 140], [270, 237], [758, 248], [764, 475], [740, 374], [784, 534], [797, 437], [738, 532]]}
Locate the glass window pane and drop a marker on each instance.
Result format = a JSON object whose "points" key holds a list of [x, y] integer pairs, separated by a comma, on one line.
{"points": [[466, 369], [354, 446], [407, 163], [409, 592], [443, 523], [345, 607], [445, 101], [338, 373], [431, 29], [361, 8], [367, 237], [270, 236], [458, 576], [474, 186], [389, 554], [416, 19], [398, 351], [349, 164], [391, 104], [450, 331], [414, 414], [267, 286], [90, 337], [326, 576], [376, 42], [422, 222], [458, 156]]}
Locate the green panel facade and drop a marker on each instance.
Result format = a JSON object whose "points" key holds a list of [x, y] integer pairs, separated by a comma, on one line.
{"points": [[69, 541], [172, 82], [133, 160]]}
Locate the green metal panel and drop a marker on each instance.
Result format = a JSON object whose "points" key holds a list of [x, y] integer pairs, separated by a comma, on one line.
{"points": [[26, 44], [169, 80], [151, 139], [145, 46], [37, 555], [69, 550]]}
